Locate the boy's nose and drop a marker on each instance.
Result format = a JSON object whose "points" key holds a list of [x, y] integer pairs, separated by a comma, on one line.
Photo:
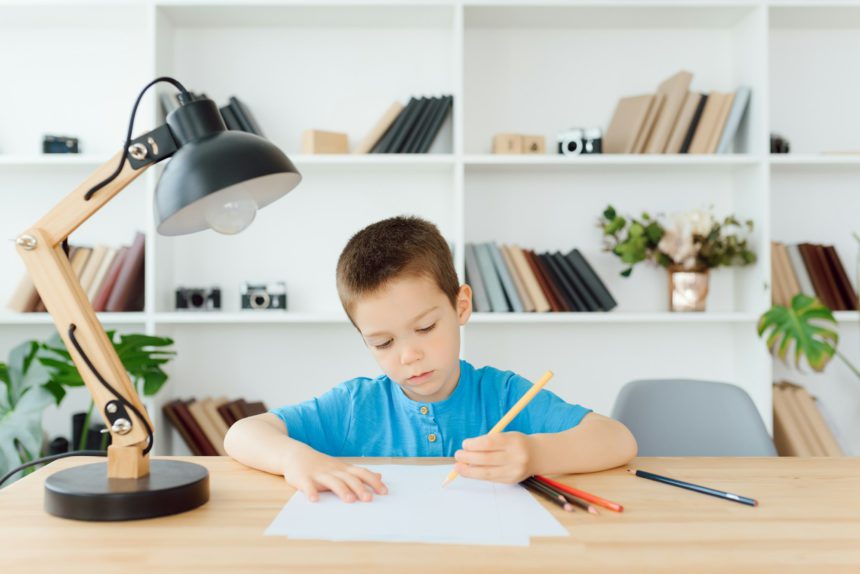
{"points": [[409, 355]]}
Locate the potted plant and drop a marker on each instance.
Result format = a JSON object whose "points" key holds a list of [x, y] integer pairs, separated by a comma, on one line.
{"points": [[687, 244]]}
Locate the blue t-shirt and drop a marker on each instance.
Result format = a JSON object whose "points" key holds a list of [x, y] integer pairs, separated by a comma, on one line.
{"points": [[374, 417]]}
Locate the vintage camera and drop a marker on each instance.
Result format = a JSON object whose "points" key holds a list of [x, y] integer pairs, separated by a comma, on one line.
{"points": [[778, 144], [196, 299], [59, 144], [577, 141], [264, 296]]}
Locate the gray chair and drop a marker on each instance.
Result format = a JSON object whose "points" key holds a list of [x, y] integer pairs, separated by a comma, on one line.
{"points": [[680, 417]]}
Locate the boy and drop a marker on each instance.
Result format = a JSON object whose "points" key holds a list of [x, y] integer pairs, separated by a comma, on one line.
{"points": [[397, 283]]}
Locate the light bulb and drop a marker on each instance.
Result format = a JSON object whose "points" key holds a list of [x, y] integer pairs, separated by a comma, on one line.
{"points": [[231, 217]]}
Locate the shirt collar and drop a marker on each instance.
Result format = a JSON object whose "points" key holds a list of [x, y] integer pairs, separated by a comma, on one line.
{"points": [[460, 391]]}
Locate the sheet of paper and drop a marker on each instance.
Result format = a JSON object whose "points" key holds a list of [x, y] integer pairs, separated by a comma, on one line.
{"points": [[418, 509]]}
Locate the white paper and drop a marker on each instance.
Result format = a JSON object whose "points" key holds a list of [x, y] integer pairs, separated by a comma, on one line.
{"points": [[418, 509]]}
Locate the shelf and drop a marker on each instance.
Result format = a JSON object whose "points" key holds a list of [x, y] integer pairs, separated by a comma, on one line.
{"points": [[630, 317], [818, 15], [847, 316], [248, 317], [51, 160], [394, 162], [815, 161], [45, 319], [603, 161]]}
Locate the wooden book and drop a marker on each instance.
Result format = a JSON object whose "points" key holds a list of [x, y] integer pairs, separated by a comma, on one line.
{"points": [[101, 298], [101, 274], [226, 413], [809, 406], [198, 410], [792, 284], [720, 124], [130, 281], [197, 435], [378, 131], [531, 282], [778, 292], [707, 123], [519, 284], [626, 123], [169, 410], [210, 407], [787, 434], [554, 303], [92, 268], [682, 124], [674, 90], [654, 112], [800, 270], [843, 285]]}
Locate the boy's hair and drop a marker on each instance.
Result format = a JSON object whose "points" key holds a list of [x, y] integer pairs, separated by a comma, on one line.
{"points": [[394, 248]]}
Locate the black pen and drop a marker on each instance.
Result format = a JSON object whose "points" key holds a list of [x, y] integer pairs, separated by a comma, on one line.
{"points": [[694, 487]]}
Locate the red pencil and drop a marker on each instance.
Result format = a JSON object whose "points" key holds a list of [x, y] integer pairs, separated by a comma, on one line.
{"points": [[582, 494]]}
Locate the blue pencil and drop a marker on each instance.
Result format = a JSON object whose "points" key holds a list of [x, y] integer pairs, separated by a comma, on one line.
{"points": [[694, 487]]}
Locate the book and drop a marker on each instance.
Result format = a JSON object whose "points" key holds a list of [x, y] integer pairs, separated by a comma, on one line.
{"points": [[682, 125], [674, 89], [492, 282], [230, 119], [736, 115], [251, 409], [92, 267], [408, 125], [800, 270], [197, 410], [130, 280], [210, 407], [626, 123], [565, 304], [792, 285], [226, 413], [244, 116], [379, 129], [473, 277], [787, 435], [421, 125], [436, 124], [505, 276], [169, 410], [778, 290], [720, 123], [591, 279], [197, 435], [574, 301], [827, 443], [846, 291], [101, 273], [101, 298], [822, 278], [25, 297], [589, 301], [385, 141], [540, 301], [694, 124], [548, 291], [519, 284], [648, 124], [707, 123]]}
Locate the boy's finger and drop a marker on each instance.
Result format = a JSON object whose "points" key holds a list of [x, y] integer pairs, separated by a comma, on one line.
{"points": [[481, 457], [337, 486], [310, 490], [478, 472], [374, 479], [485, 442], [357, 487]]}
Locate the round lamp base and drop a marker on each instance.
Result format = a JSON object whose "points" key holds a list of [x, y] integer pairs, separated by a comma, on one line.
{"points": [[86, 493]]}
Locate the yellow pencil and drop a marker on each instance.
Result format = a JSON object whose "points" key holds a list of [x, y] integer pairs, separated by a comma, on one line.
{"points": [[509, 416]]}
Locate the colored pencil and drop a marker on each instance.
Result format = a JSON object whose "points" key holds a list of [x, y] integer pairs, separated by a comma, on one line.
{"points": [[594, 499], [694, 487], [578, 502], [509, 416], [548, 494]]}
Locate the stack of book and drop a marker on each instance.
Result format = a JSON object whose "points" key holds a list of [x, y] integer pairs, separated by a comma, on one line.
{"points": [[236, 114], [799, 427], [676, 120], [810, 269], [203, 423], [508, 278], [410, 129], [112, 278]]}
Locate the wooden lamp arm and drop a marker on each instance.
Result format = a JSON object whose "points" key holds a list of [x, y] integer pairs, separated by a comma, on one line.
{"points": [[41, 249]]}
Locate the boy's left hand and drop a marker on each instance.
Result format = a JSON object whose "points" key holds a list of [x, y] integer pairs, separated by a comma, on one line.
{"points": [[503, 457]]}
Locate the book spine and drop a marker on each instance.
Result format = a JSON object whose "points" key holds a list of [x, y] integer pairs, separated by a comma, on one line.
{"points": [[592, 280], [507, 282], [549, 293], [473, 277], [493, 284]]}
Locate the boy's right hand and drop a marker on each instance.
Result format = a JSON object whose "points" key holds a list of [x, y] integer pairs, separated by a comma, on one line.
{"points": [[313, 472]]}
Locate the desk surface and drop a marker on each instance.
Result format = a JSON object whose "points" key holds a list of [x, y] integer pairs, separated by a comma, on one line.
{"points": [[808, 519]]}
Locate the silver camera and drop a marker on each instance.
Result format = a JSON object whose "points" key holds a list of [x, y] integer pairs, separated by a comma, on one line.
{"points": [[577, 141], [264, 295]]}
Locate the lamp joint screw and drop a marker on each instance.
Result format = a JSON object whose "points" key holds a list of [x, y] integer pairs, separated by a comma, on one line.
{"points": [[28, 242], [121, 426], [111, 407], [138, 151]]}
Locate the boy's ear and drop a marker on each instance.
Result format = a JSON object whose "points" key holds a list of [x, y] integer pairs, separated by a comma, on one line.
{"points": [[464, 304]]}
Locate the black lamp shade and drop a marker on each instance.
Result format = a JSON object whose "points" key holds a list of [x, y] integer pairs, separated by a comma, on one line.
{"points": [[224, 166]]}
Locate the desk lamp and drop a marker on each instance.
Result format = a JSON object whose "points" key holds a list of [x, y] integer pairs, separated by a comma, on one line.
{"points": [[216, 179]]}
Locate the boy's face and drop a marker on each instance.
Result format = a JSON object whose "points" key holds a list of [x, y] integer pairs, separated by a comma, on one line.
{"points": [[413, 332]]}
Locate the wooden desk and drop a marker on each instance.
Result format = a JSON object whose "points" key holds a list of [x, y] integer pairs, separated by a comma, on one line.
{"points": [[808, 520]]}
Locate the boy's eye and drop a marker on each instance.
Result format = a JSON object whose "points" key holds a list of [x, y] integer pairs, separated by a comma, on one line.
{"points": [[427, 329], [384, 345]]}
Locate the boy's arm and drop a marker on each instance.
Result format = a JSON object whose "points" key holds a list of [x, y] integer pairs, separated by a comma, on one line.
{"points": [[262, 442], [596, 443]]}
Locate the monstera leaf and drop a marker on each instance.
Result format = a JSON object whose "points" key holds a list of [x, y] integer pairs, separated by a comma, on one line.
{"points": [[25, 394], [795, 327]]}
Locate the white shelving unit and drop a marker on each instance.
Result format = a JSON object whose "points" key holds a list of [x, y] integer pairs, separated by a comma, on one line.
{"points": [[512, 67]]}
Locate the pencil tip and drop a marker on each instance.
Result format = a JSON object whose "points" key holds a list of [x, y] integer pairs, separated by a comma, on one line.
{"points": [[631, 470], [593, 511], [445, 482]]}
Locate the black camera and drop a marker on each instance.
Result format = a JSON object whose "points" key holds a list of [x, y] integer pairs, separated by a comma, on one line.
{"points": [[577, 141], [59, 144], [196, 299], [264, 296]]}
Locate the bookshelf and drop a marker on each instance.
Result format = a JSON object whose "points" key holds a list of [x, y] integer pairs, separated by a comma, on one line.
{"points": [[511, 67]]}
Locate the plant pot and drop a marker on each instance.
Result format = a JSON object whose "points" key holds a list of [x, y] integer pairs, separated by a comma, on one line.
{"points": [[688, 289]]}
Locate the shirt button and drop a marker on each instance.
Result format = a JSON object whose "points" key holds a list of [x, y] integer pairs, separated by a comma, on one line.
{"points": [[431, 437], [424, 410]]}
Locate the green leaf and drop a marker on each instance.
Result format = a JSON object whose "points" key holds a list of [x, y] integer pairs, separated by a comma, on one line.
{"points": [[609, 213], [794, 327]]}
